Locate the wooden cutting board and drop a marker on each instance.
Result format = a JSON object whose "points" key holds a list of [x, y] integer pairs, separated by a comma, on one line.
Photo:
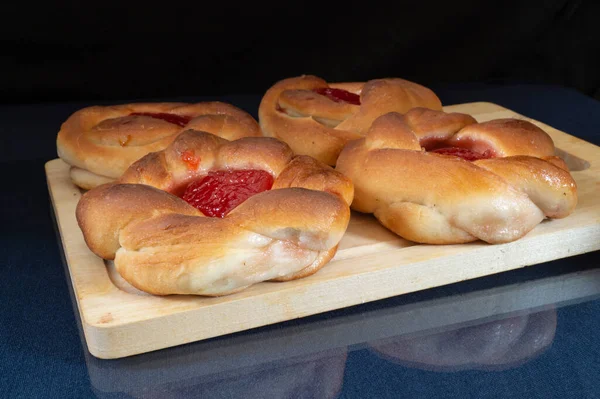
{"points": [[372, 263]]}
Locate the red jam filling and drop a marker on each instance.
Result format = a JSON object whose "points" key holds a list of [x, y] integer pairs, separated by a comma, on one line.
{"points": [[339, 95], [180, 120], [191, 160], [464, 153], [219, 192]]}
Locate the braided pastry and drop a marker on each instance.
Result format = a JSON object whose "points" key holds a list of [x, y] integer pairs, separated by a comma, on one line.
{"points": [[316, 118], [163, 245], [101, 142], [435, 195]]}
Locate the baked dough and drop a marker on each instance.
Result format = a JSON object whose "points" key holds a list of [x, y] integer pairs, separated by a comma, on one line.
{"points": [[442, 199], [313, 124], [100, 142], [162, 245]]}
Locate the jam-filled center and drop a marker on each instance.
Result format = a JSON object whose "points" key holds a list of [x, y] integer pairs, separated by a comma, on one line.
{"points": [[221, 191], [339, 95], [464, 153], [467, 149], [180, 120]]}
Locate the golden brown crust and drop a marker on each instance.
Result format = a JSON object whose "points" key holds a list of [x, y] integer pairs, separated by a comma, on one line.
{"points": [[548, 186], [507, 137], [162, 245], [316, 126], [104, 141], [168, 169], [307, 172], [104, 211], [440, 199], [429, 125]]}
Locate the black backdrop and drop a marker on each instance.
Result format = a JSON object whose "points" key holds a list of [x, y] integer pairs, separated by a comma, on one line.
{"points": [[134, 50]]}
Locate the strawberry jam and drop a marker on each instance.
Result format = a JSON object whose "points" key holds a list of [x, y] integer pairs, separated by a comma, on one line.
{"points": [[180, 120], [463, 153], [219, 192], [339, 95], [190, 159]]}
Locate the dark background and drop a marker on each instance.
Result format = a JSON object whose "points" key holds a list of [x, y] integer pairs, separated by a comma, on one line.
{"points": [[103, 51]]}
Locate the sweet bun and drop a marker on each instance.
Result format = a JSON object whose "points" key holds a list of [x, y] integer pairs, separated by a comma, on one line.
{"points": [[317, 118], [100, 142], [163, 245], [411, 171]]}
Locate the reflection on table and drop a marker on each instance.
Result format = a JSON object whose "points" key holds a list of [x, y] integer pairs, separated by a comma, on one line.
{"points": [[492, 345], [317, 375], [491, 329]]}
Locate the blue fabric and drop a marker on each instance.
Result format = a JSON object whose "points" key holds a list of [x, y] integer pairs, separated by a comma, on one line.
{"points": [[41, 354]]}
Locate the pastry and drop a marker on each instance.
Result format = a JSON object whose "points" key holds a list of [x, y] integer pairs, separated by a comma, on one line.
{"points": [[275, 216], [439, 178], [100, 142], [317, 118]]}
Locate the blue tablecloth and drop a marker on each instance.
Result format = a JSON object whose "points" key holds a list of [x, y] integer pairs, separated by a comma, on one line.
{"points": [[41, 352]]}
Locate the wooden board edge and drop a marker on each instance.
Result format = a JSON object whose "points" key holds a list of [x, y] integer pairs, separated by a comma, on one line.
{"points": [[325, 296], [52, 187]]}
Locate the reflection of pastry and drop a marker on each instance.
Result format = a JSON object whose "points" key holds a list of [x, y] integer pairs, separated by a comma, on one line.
{"points": [[276, 216], [317, 118], [315, 376], [101, 142], [494, 345], [439, 178]]}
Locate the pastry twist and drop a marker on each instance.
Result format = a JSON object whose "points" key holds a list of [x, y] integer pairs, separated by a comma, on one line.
{"points": [[317, 118], [428, 197], [163, 245], [100, 142]]}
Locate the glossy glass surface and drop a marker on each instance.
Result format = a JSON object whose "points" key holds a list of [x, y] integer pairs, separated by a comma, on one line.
{"points": [[512, 335]]}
